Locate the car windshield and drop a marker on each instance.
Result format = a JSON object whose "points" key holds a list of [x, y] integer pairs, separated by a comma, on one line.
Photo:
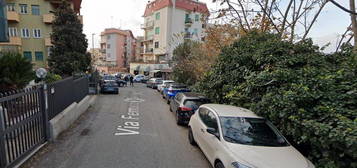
{"points": [[251, 131], [195, 103]]}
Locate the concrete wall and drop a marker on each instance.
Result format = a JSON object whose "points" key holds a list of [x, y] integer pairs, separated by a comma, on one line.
{"points": [[68, 116]]}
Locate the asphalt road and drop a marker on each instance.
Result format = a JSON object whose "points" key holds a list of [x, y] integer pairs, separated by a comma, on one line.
{"points": [[134, 129]]}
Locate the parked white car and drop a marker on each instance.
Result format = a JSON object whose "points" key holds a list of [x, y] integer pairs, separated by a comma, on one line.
{"points": [[161, 86], [233, 137]]}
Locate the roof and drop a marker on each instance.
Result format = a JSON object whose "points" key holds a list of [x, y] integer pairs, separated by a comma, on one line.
{"points": [[232, 111], [189, 5], [77, 5]]}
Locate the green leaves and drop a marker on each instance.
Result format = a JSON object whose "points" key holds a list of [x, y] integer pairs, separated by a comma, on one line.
{"points": [[309, 95], [69, 52], [16, 71]]}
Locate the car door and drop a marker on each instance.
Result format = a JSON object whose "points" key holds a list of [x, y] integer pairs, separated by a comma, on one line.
{"points": [[213, 142], [200, 128], [209, 143]]}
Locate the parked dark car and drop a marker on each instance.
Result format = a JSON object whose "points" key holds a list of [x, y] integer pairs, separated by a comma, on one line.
{"points": [[172, 89], [153, 82], [184, 106], [110, 87]]}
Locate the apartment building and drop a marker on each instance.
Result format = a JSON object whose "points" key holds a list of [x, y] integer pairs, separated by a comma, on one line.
{"points": [[139, 49], [30, 27], [167, 23], [118, 47]]}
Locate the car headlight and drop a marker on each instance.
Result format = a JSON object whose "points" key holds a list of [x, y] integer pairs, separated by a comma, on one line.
{"points": [[239, 165]]}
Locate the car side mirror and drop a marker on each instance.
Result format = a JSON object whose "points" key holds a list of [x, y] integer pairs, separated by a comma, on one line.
{"points": [[213, 132]]}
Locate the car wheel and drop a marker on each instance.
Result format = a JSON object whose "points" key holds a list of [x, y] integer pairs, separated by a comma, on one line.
{"points": [[170, 109], [219, 165], [168, 101], [178, 121], [191, 139]]}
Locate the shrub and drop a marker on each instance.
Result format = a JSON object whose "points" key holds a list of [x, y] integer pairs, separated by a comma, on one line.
{"points": [[310, 96], [15, 71]]}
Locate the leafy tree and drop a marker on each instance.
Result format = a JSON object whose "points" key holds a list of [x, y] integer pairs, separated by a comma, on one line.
{"points": [[69, 52], [310, 96], [16, 71]]}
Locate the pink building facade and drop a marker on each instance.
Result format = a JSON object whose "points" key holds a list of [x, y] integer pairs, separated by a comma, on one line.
{"points": [[117, 47]]}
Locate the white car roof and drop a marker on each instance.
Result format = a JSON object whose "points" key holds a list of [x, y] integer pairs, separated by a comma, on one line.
{"points": [[231, 111], [164, 81]]}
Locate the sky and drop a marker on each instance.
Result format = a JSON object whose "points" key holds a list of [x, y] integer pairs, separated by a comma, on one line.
{"points": [[127, 14]]}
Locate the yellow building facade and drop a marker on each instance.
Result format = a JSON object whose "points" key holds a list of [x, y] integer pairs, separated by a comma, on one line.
{"points": [[30, 27]]}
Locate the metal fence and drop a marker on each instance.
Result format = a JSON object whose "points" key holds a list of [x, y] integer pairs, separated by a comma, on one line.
{"points": [[22, 124], [24, 119], [63, 93]]}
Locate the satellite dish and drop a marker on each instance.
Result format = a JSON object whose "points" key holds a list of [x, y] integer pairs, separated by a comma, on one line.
{"points": [[41, 73]]}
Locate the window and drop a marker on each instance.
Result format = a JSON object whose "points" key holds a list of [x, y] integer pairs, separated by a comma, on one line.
{"points": [[36, 33], [203, 39], [203, 26], [23, 9], [157, 16], [11, 7], [28, 55], [35, 9], [39, 56], [197, 17], [157, 30], [108, 37], [157, 44], [25, 33], [108, 46], [12, 31], [195, 31], [251, 131], [208, 118]]}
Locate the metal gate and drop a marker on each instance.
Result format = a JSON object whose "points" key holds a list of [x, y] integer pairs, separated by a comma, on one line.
{"points": [[23, 124]]}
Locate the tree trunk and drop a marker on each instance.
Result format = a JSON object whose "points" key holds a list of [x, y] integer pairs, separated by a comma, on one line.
{"points": [[354, 22]]}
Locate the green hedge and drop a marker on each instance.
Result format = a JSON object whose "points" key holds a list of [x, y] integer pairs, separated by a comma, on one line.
{"points": [[310, 96]]}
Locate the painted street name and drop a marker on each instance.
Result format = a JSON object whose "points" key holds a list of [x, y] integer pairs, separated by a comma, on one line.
{"points": [[131, 124]]}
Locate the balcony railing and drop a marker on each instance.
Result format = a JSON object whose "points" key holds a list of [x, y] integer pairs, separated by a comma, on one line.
{"points": [[149, 38], [188, 21], [13, 16], [148, 25], [149, 51], [187, 35], [13, 41], [48, 18], [48, 42]]}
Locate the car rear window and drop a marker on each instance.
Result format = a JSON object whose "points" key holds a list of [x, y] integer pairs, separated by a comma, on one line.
{"points": [[179, 86], [114, 84], [195, 103]]}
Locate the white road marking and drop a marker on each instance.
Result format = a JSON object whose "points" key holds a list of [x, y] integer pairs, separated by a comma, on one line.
{"points": [[131, 120]]}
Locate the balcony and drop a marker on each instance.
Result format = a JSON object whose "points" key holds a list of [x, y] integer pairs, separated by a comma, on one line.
{"points": [[149, 51], [148, 25], [188, 22], [149, 38], [187, 35], [13, 16], [80, 17], [103, 51], [13, 41], [48, 18], [48, 42]]}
